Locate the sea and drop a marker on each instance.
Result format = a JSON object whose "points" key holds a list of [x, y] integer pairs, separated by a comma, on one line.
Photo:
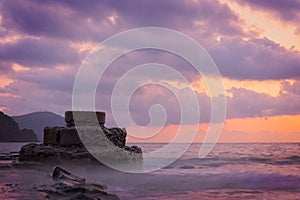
{"points": [[229, 171]]}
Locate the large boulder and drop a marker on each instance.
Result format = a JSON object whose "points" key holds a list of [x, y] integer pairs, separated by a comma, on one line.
{"points": [[68, 186]]}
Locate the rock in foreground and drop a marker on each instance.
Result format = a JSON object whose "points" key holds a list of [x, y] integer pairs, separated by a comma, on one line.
{"points": [[68, 186]]}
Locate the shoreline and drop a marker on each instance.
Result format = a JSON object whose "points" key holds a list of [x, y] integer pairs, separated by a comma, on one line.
{"points": [[189, 178]]}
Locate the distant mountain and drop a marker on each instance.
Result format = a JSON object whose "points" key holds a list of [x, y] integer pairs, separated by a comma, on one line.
{"points": [[10, 131], [38, 121]]}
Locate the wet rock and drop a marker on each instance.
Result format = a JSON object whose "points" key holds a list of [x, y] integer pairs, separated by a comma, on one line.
{"points": [[61, 174], [52, 153], [69, 186]]}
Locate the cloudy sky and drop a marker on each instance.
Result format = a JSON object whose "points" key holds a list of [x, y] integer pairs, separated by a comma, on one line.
{"points": [[255, 44]]}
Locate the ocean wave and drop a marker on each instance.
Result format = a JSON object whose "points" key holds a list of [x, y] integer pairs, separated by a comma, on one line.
{"points": [[219, 161], [250, 181]]}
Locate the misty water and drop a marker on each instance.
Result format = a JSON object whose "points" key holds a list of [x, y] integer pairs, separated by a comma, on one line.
{"points": [[235, 171]]}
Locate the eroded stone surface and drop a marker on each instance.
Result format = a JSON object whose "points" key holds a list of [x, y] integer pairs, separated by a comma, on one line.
{"points": [[53, 154], [65, 136], [84, 118]]}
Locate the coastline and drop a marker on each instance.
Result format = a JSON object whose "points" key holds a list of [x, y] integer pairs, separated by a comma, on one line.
{"points": [[231, 171]]}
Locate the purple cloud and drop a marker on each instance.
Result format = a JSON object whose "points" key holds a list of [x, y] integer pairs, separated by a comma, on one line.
{"points": [[47, 29], [45, 19], [39, 53], [256, 59], [56, 19], [246, 103], [29, 97]]}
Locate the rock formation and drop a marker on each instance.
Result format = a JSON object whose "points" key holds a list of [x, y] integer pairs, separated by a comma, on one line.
{"points": [[67, 186], [10, 131], [82, 142]]}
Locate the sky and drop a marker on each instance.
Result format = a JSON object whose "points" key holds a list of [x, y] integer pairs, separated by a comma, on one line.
{"points": [[255, 45]]}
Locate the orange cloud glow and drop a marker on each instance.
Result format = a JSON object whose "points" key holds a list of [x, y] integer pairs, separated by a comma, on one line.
{"points": [[270, 87], [18, 67], [272, 129], [267, 25], [5, 81]]}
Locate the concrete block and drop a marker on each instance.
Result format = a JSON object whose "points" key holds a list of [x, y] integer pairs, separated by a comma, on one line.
{"points": [[68, 137], [84, 117], [51, 135]]}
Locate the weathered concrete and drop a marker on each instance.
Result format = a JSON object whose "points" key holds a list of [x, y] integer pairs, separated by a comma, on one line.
{"points": [[65, 136], [51, 135], [68, 136], [84, 118]]}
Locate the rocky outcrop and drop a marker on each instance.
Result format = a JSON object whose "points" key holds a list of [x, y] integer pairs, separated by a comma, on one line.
{"points": [[68, 186], [82, 143], [54, 153], [10, 131]]}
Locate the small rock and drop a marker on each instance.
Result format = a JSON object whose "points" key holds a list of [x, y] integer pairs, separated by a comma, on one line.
{"points": [[187, 167]]}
